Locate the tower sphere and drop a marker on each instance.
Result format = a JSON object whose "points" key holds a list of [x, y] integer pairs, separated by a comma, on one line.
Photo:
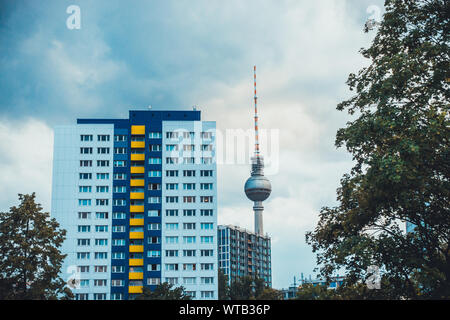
{"points": [[257, 188]]}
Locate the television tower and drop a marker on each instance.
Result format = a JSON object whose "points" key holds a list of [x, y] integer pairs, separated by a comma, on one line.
{"points": [[257, 187]]}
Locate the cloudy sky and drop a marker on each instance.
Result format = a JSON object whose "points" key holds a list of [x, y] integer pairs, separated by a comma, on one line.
{"points": [[183, 53]]}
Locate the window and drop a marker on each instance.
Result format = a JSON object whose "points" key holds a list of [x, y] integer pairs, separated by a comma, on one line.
{"points": [[83, 242], [153, 213], [171, 160], [86, 137], [136, 229], [189, 280], [206, 160], [172, 240], [120, 189], [206, 253], [101, 215], [84, 189], [171, 226], [101, 242], [120, 176], [102, 176], [116, 296], [118, 255], [101, 228], [154, 147], [85, 176], [206, 212], [206, 135], [102, 189], [120, 138], [206, 173], [188, 173], [81, 296], [189, 212], [154, 173], [153, 253], [206, 186], [101, 202], [154, 226], [153, 281], [84, 283], [171, 135], [171, 253], [206, 266], [103, 150], [154, 161], [83, 255], [103, 137], [171, 173], [118, 242], [102, 163], [188, 160], [206, 147], [171, 186], [188, 239], [188, 147], [84, 228], [189, 253], [154, 199], [171, 147], [154, 186], [153, 267], [117, 269], [171, 266], [188, 186], [207, 294], [171, 199], [171, 213], [100, 255], [189, 199], [85, 150], [120, 150], [85, 163], [119, 215], [119, 202], [120, 163], [206, 239], [83, 269], [188, 135], [84, 202], [189, 226], [206, 199], [206, 226], [154, 135], [116, 283], [189, 267], [100, 269], [118, 228], [84, 215], [154, 240], [172, 280]]}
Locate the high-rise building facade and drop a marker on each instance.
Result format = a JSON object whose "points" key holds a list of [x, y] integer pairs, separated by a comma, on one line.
{"points": [[244, 253], [138, 198]]}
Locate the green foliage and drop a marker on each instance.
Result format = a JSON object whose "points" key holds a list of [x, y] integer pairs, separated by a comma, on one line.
{"points": [[30, 260], [164, 291], [224, 288], [400, 145], [247, 288]]}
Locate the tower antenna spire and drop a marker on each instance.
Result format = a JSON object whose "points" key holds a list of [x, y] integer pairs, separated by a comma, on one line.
{"points": [[256, 116]]}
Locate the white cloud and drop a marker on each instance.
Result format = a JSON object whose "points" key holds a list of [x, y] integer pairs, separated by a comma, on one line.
{"points": [[26, 149]]}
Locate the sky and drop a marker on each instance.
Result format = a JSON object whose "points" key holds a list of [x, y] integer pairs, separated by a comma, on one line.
{"points": [[177, 54]]}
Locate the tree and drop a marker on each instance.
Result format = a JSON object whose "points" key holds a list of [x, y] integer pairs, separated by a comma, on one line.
{"points": [[270, 294], [164, 291], [224, 288], [400, 144], [251, 288], [30, 260], [318, 292]]}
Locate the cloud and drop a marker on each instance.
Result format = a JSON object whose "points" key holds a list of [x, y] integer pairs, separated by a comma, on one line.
{"points": [[26, 149]]}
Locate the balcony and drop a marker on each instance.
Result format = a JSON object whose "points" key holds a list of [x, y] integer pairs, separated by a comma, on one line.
{"points": [[137, 157], [136, 262], [137, 170], [136, 276], [136, 195], [136, 235], [137, 129], [136, 222], [136, 248], [136, 208], [135, 289], [137, 182], [138, 144]]}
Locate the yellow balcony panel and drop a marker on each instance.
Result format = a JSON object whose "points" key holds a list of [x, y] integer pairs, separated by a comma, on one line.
{"points": [[137, 129], [138, 144], [137, 157], [137, 170], [137, 182], [136, 275], [135, 289], [136, 235], [136, 195], [136, 248], [136, 222], [136, 208], [136, 262]]}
